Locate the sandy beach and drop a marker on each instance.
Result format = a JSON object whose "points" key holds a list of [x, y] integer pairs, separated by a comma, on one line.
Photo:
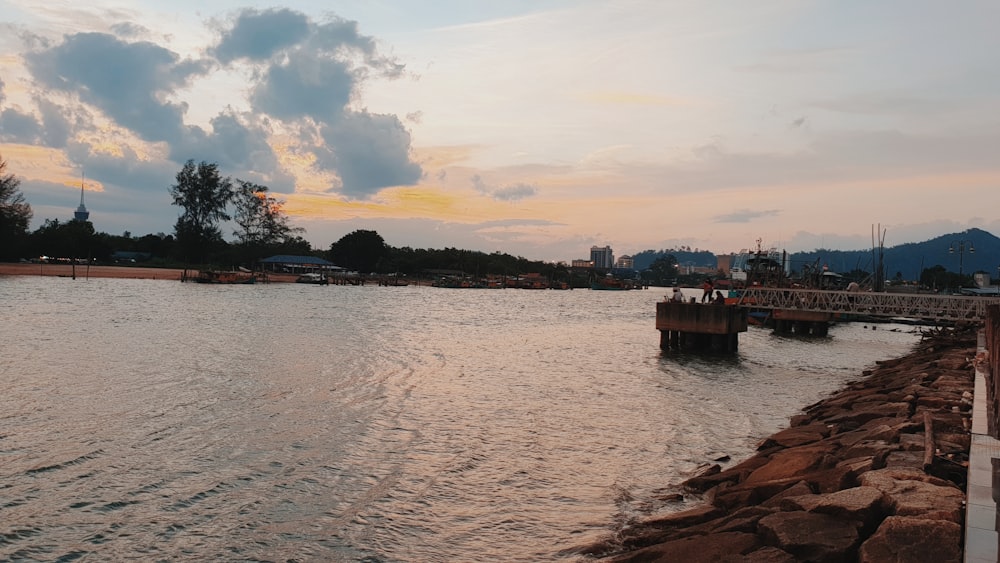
{"points": [[134, 272], [66, 270]]}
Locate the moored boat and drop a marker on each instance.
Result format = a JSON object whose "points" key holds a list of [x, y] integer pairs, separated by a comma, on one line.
{"points": [[224, 277]]}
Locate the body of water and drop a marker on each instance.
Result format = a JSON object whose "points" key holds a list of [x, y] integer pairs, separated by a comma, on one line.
{"points": [[156, 420]]}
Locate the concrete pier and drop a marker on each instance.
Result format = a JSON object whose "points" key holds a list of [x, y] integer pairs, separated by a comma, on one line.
{"points": [[816, 323], [696, 326]]}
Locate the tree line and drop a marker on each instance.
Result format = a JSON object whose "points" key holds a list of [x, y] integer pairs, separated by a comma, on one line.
{"points": [[261, 228]]}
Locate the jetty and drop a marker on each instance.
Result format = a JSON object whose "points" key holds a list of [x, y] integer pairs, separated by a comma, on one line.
{"points": [[695, 326]]}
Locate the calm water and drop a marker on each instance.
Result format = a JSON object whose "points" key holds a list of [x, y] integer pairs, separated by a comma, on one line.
{"points": [[156, 420]]}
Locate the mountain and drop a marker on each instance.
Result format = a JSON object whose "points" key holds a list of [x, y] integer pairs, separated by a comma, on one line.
{"points": [[980, 252]]}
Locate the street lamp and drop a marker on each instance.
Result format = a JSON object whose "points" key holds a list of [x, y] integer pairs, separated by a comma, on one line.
{"points": [[960, 247]]}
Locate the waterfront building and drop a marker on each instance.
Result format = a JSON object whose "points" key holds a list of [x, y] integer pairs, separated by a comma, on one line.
{"points": [[625, 262], [602, 257], [580, 263]]}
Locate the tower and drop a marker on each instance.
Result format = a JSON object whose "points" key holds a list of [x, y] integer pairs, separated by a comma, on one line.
{"points": [[81, 213]]}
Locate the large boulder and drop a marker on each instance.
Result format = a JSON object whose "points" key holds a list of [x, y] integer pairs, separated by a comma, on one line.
{"points": [[912, 493], [811, 536], [789, 463], [862, 504], [903, 540]]}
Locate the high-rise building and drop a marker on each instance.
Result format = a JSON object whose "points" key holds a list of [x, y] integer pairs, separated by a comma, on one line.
{"points": [[602, 257], [81, 213]]}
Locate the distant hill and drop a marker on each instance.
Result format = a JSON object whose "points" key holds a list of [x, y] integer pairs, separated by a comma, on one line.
{"points": [[910, 258], [906, 259]]}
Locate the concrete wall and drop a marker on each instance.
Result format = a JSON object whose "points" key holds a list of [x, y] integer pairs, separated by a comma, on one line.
{"points": [[993, 372]]}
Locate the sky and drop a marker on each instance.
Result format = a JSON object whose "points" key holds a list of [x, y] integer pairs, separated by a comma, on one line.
{"points": [[537, 128]]}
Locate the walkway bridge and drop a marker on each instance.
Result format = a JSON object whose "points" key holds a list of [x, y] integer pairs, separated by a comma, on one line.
{"points": [[907, 305]]}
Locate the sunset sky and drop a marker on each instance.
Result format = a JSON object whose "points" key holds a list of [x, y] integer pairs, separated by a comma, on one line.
{"points": [[538, 128]]}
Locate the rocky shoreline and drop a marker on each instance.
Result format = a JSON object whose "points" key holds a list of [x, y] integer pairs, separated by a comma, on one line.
{"points": [[876, 472]]}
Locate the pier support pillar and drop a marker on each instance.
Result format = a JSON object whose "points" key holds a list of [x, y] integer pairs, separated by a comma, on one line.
{"points": [[697, 326]]}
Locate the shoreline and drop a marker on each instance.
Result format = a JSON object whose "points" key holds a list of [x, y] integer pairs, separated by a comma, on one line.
{"points": [[875, 472], [84, 271], [117, 272]]}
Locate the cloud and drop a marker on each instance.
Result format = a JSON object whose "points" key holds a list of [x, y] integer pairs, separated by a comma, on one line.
{"points": [[304, 85], [369, 152], [56, 125], [257, 35], [19, 127], [126, 81], [745, 216], [303, 76], [513, 192]]}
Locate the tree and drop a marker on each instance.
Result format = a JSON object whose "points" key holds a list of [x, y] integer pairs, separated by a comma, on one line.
{"points": [[260, 218], [203, 194], [663, 271], [359, 251], [15, 215], [70, 239]]}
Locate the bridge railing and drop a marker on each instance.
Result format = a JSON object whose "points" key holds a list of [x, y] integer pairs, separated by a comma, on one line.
{"points": [[909, 305]]}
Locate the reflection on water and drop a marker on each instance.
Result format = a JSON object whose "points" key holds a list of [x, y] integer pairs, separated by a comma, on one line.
{"points": [[153, 419]]}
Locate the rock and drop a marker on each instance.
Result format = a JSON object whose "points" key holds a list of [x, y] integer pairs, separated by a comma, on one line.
{"points": [[763, 555], [796, 436], [788, 463], [858, 465], [864, 504], [905, 460], [742, 520], [867, 448], [811, 536], [712, 547], [903, 540], [734, 474], [913, 493], [870, 412], [799, 489]]}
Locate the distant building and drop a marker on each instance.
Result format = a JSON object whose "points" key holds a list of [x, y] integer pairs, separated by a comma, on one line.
{"points": [[602, 257], [582, 264], [81, 213], [724, 262], [625, 262]]}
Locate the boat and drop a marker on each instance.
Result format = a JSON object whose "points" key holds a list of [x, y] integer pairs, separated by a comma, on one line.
{"points": [[224, 277], [610, 283], [766, 267], [313, 278]]}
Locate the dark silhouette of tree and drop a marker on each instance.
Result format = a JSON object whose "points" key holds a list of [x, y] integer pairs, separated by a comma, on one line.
{"points": [[260, 217], [359, 251], [662, 272], [203, 194], [70, 239], [15, 215]]}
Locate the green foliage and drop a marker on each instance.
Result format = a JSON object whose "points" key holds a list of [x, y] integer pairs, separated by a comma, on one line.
{"points": [[260, 217], [70, 239], [203, 194], [938, 278], [360, 251], [15, 215], [662, 272]]}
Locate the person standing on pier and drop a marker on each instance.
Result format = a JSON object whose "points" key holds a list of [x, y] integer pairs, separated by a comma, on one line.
{"points": [[706, 290]]}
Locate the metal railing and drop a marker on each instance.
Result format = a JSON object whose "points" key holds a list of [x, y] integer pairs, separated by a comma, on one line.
{"points": [[907, 305]]}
